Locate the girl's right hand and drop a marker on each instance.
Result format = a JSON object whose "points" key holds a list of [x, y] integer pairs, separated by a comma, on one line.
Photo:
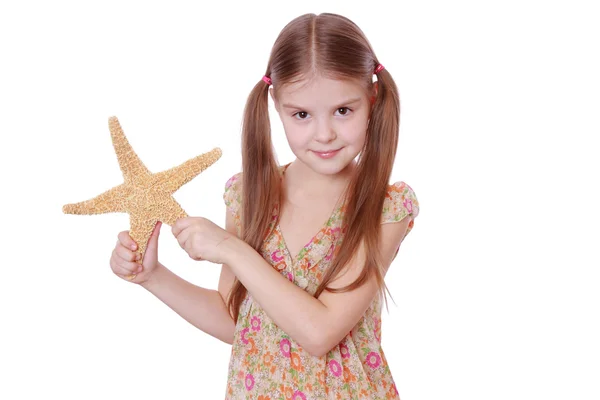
{"points": [[123, 262]]}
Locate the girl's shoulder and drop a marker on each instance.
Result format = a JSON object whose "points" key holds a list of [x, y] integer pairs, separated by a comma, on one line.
{"points": [[232, 193], [400, 201], [233, 182]]}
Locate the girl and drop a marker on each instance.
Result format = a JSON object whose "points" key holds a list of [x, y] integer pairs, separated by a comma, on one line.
{"points": [[301, 310]]}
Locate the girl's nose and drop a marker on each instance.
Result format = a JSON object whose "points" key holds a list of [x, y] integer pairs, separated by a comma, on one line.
{"points": [[325, 132]]}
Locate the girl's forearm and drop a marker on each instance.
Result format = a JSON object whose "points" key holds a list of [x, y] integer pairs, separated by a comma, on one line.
{"points": [[201, 307], [294, 310]]}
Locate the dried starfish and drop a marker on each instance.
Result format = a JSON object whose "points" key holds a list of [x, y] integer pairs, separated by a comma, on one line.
{"points": [[145, 196]]}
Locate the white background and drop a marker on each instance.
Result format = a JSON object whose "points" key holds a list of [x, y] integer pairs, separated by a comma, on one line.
{"points": [[496, 288]]}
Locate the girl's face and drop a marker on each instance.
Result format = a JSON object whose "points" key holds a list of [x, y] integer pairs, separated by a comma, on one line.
{"points": [[325, 121]]}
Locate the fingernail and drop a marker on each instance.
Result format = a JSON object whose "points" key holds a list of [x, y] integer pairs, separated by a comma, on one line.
{"points": [[133, 247], [139, 269]]}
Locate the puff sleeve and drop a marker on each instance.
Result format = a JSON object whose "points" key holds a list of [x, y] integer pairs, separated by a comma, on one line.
{"points": [[400, 202], [233, 200]]}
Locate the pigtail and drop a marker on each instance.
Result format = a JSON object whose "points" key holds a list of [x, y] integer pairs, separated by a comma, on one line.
{"points": [[261, 174], [260, 180]]}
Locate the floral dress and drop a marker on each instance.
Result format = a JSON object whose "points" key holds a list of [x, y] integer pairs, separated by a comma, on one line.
{"points": [[267, 364]]}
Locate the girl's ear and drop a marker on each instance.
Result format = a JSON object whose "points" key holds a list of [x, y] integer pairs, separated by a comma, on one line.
{"points": [[274, 99], [374, 93], [373, 97]]}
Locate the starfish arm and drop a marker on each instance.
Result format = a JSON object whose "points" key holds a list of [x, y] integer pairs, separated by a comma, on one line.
{"points": [[134, 170], [169, 211], [174, 178], [140, 230], [143, 221], [107, 202]]}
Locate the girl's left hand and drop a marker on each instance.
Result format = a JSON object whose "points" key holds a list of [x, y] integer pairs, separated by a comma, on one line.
{"points": [[201, 238]]}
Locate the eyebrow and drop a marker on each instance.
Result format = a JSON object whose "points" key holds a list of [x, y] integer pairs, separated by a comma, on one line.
{"points": [[351, 101]]}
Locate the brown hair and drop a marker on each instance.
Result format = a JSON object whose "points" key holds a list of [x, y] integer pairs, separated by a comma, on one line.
{"points": [[332, 46]]}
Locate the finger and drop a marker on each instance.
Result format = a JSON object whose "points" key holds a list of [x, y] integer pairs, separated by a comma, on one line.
{"points": [[180, 224], [126, 268], [128, 277], [126, 240], [125, 254], [186, 243], [175, 229], [183, 237]]}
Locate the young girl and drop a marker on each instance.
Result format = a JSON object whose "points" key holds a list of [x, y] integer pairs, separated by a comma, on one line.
{"points": [[306, 245]]}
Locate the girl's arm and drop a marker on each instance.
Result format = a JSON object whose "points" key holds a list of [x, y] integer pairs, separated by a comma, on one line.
{"points": [[317, 325], [201, 307], [204, 308]]}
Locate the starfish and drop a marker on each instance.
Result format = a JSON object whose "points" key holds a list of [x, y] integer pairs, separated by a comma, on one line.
{"points": [[145, 196]]}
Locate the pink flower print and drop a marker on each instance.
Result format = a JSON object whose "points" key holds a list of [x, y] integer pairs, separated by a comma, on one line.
{"points": [[298, 395], [276, 255], [377, 328], [255, 322], [344, 351], [335, 368], [249, 382], [330, 253], [373, 360], [290, 277], [243, 335], [285, 347], [230, 181], [408, 205]]}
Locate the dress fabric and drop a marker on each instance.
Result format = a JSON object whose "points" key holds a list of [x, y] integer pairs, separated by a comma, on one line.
{"points": [[267, 364]]}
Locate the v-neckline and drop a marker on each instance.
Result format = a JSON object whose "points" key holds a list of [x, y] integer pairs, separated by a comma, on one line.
{"points": [[306, 248]]}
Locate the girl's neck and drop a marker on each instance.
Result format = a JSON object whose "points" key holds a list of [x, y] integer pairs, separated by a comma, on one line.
{"points": [[301, 181]]}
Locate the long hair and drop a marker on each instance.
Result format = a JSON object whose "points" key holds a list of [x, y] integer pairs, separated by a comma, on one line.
{"points": [[332, 46]]}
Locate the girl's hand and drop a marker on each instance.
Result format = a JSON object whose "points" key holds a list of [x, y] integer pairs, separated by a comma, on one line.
{"points": [[123, 262], [201, 239]]}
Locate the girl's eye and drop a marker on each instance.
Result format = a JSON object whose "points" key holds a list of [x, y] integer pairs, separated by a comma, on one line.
{"points": [[301, 114], [304, 114]]}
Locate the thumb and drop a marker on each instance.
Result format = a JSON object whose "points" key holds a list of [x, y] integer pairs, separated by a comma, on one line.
{"points": [[157, 229], [155, 232]]}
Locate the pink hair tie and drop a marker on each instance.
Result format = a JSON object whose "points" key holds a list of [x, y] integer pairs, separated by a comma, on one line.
{"points": [[378, 69], [267, 79]]}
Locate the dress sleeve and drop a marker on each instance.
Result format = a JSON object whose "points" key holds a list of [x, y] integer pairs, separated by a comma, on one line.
{"points": [[400, 202], [232, 197]]}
